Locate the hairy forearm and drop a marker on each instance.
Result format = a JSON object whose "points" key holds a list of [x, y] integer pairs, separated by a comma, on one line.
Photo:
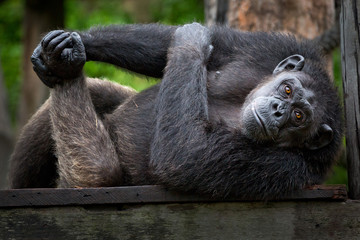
{"points": [[138, 48], [81, 138]]}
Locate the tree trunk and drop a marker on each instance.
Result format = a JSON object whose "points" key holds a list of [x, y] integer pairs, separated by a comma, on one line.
{"points": [[216, 12], [6, 138], [40, 17], [306, 19]]}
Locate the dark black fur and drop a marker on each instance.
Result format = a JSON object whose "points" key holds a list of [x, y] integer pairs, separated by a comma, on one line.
{"points": [[178, 133]]}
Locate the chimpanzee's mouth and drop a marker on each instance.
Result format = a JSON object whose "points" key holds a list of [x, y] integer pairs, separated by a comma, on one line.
{"points": [[259, 120]]}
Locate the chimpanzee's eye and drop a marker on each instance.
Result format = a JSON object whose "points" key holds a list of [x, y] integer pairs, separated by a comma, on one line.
{"points": [[298, 117], [287, 90]]}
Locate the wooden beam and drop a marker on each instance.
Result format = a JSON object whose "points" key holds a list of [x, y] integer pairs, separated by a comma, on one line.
{"points": [[153, 212], [216, 220], [350, 55], [139, 194]]}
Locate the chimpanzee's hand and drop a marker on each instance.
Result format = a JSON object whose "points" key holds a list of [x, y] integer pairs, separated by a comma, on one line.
{"points": [[60, 55], [194, 35]]}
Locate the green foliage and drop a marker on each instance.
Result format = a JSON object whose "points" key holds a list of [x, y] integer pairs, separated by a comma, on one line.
{"points": [[338, 175], [337, 71], [11, 13], [178, 11], [103, 70], [82, 15]]}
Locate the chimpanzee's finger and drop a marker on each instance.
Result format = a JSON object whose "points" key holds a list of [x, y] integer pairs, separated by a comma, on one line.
{"points": [[56, 41], [37, 61], [37, 52], [50, 36], [78, 45], [61, 46]]}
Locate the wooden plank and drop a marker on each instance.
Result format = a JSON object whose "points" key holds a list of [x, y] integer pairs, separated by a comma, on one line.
{"points": [[220, 220], [139, 194], [350, 53]]}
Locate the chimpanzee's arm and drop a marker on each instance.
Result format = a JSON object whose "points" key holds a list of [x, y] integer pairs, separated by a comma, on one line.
{"points": [[86, 154], [34, 162], [138, 48], [181, 107]]}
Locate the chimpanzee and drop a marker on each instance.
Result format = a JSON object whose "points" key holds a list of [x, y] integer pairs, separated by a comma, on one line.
{"points": [[236, 113]]}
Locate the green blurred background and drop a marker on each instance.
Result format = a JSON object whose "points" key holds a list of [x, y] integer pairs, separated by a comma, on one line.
{"points": [[84, 14]]}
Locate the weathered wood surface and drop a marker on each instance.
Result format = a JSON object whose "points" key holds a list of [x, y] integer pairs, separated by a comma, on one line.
{"points": [[139, 194], [350, 53], [153, 212], [229, 220]]}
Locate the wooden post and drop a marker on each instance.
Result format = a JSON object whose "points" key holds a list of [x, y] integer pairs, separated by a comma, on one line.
{"points": [[350, 51]]}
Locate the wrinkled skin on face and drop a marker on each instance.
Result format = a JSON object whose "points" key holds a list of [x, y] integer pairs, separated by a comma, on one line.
{"points": [[284, 112]]}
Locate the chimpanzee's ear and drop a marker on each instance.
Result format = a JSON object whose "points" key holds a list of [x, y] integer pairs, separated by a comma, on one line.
{"points": [[324, 136], [293, 63]]}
